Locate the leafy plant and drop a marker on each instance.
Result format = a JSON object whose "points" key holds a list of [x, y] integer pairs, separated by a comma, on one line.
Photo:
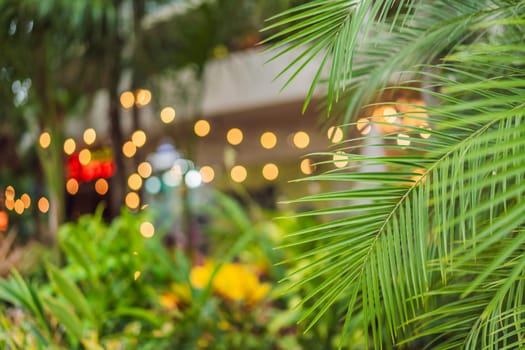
{"points": [[427, 250]]}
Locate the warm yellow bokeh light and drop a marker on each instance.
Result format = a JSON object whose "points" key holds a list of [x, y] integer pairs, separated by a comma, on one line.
{"points": [[138, 138], [19, 206], [207, 174], [44, 140], [202, 128], [89, 136], [9, 203], [134, 182], [389, 114], [234, 136], [43, 205], [9, 192], [307, 166], [363, 126], [167, 115], [301, 139], [69, 146], [143, 97], [270, 171], [403, 140], [129, 149], [268, 140], [127, 99], [84, 156], [335, 134], [425, 135], [238, 173], [132, 200], [144, 169], [147, 229], [72, 186], [101, 186], [340, 159], [26, 200]]}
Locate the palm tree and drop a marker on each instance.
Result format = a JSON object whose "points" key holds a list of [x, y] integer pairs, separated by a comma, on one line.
{"points": [[428, 248]]}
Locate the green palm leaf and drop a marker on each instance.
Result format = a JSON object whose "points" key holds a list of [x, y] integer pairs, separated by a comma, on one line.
{"points": [[437, 256]]}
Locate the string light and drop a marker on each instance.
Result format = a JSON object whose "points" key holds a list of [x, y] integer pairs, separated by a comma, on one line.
{"points": [[234, 136], [26, 200], [132, 200], [72, 186], [268, 140], [19, 206], [403, 140], [144, 169], [238, 173], [101, 186], [167, 115], [138, 138], [69, 146], [43, 205], [89, 136], [143, 97], [84, 156], [207, 174], [129, 149], [134, 182], [147, 230], [307, 166], [363, 126], [340, 159], [335, 134], [44, 140], [127, 99], [270, 171], [301, 139], [202, 128]]}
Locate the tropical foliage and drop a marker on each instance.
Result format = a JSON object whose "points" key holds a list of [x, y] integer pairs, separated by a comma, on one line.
{"points": [[427, 248]]}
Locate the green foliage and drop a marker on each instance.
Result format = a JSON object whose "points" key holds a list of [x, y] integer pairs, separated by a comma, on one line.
{"points": [[433, 258]]}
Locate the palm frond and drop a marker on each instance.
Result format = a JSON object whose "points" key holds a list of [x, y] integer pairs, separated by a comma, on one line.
{"points": [[433, 255]]}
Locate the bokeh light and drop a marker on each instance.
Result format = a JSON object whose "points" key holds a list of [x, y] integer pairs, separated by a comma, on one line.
{"points": [[72, 186], [207, 174], [89, 136], [138, 138], [136, 275], [132, 200], [144, 169], [101, 186], [270, 171], [390, 114], [127, 99], [403, 140], [202, 128], [84, 156], [268, 140], [193, 179], [26, 200], [19, 206], [129, 149], [234, 136], [147, 230], [238, 173], [340, 159], [153, 185], [301, 139], [134, 182], [9, 192], [143, 97], [307, 166], [44, 140], [43, 205], [69, 146], [335, 134], [167, 115], [363, 126]]}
